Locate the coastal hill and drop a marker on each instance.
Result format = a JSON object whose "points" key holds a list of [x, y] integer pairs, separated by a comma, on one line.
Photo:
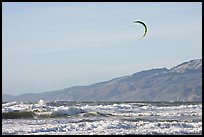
{"points": [[180, 83]]}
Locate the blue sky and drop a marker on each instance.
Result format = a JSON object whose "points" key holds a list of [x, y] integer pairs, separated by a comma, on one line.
{"points": [[51, 46]]}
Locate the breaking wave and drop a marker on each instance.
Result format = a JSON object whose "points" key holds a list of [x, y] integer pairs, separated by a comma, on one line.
{"points": [[69, 118]]}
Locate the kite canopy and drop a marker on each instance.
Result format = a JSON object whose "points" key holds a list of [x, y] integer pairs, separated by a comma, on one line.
{"points": [[145, 32]]}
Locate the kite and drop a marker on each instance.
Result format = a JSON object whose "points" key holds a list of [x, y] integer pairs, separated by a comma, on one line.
{"points": [[145, 31]]}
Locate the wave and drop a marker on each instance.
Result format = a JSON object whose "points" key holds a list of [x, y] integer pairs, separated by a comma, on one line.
{"points": [[66, 111], [18, 115], [43, 109], [56, 114]]}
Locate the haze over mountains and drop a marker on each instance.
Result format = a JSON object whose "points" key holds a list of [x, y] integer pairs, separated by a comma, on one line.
{"points": [[180, 83]]}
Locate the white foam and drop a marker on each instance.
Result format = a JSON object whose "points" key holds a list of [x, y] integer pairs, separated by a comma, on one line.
{"points": [[9, 104], [42, 103], [66, 110], [107, 126], [125, 119], [16, 107]]}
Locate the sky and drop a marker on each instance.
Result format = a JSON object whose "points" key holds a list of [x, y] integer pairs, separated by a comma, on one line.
{"points": [[52, 46]]}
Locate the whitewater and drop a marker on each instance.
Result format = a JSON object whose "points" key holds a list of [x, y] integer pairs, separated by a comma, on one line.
{"points": [[101, 118]]}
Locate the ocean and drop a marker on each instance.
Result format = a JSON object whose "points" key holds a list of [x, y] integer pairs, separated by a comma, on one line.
{"points": [[101, 118]]}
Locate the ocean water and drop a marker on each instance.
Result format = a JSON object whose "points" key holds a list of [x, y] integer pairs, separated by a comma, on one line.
{"points": [[101, 118]]}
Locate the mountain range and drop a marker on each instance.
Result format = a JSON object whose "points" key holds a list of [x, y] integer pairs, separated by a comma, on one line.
{"points": [[180, 83]]}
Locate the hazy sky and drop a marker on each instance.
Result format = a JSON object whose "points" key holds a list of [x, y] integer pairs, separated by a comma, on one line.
{"points": [[51, 46]]}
